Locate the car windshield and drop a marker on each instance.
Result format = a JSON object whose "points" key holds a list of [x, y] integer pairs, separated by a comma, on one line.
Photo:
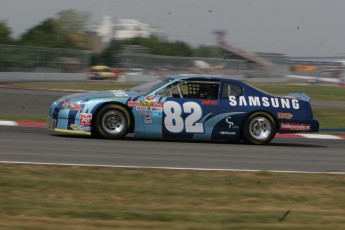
{"points": [[150, 86]]}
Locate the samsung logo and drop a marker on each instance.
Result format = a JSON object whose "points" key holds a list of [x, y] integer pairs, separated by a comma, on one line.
{"points": [[264, 101]]}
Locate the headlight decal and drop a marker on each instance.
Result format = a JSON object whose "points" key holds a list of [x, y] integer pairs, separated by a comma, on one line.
{"points": [[71, 106]]}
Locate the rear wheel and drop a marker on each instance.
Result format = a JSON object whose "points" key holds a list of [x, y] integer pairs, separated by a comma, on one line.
{"points": [[259, 128], [112, 122]]}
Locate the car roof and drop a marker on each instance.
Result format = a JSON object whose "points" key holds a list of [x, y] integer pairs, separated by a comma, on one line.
{"points": [[204, 76]]}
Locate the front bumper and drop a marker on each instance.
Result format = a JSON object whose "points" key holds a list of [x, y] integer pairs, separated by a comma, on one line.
{"points": [[67, 126]]}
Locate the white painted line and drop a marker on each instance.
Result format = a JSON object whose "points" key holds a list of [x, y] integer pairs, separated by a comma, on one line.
{"points": [[320, 136], [8, 123], [167, 168]]}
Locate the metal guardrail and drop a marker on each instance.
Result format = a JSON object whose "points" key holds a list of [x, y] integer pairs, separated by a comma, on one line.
{"points": [[15, 58]]}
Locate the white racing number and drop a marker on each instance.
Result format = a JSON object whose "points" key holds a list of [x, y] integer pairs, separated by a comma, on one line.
{"points": [[174, 122]]}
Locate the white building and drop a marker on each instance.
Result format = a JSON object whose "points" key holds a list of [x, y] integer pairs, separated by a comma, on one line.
{"points": [[121, 29], [105, 29], [108, 29], [131, 28]]}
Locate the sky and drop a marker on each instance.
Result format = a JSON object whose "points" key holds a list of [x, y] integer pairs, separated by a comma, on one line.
{"points": [[292, 27]]}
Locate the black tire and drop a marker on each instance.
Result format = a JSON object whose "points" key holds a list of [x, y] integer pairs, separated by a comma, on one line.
{"points": [[259, 128], [112, 122]]}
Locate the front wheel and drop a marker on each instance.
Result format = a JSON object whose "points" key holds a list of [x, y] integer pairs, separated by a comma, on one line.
{"points": [[112, 122], [259, 128]]}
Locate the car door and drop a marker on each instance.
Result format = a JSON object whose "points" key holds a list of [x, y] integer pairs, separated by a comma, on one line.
{"points": [[230, 117], [189, 109]]}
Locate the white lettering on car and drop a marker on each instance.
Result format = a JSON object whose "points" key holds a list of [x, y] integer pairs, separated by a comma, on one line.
{"points": [[295, 104], [254, 101], [243, 101], [265, 102], [275, 102], [285, 103]]}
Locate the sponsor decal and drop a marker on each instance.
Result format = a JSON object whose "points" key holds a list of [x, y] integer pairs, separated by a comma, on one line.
{"points": [[209, 102], [85, 128], [285, 103], [157, 105], [152, 104], [143, 110], [231, 124], [150, 98], [227, 133], [133, 103], [155, 109], [295, 127], [146, 104], [85, 119], [285, 115], [148, 119], [118, 93]]}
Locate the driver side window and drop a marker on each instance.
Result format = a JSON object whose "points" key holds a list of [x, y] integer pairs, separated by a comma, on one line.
{"points": [[176, 90], [198, 89]]}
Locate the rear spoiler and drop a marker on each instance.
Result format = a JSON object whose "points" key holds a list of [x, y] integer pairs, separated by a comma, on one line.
{"points": [[301, 96]]}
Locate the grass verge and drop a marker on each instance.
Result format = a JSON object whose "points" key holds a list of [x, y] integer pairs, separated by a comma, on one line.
{"points": [[316, 92], [57, 197], [330, 118], [88, 86]]}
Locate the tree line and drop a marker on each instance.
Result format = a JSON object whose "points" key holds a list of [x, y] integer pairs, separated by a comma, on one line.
{"points": [[68, 29]]}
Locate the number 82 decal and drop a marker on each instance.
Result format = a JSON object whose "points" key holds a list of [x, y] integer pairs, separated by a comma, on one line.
{"points": [[174, 122]]}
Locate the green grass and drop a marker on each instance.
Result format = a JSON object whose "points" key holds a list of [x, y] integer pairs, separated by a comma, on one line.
{"points": [[315, 92], [53, 197], [330, 118], [88, 86]]}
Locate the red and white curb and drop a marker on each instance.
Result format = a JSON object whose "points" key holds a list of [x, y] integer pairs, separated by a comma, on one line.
{"points": [[311, 136], [23, 123]]}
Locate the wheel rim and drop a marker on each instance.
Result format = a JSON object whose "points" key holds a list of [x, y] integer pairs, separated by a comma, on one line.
{"points": [[113, 122], [260, 128]]}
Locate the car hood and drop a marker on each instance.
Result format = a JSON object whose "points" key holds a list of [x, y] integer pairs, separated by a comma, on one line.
{"points": [[109, 94]]}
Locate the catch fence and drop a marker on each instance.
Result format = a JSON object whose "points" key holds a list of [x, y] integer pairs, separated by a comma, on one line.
{"points": [[15, 58]]}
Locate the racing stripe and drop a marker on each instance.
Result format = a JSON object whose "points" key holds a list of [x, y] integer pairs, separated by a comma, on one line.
{"points": [[209, 125], [62, 123], [72, 114]]}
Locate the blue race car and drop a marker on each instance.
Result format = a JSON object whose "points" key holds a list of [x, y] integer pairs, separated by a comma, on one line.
{"points": [[185, 107]]}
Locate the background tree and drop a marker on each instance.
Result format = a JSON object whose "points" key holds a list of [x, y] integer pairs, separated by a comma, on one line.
{"points": [[155, 45], [73, 24], [207, 51], [5, 33], [45, 34], [67, 30]]}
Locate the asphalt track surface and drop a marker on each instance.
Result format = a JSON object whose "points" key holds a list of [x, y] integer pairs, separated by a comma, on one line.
{"points": [[23, 144]]}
